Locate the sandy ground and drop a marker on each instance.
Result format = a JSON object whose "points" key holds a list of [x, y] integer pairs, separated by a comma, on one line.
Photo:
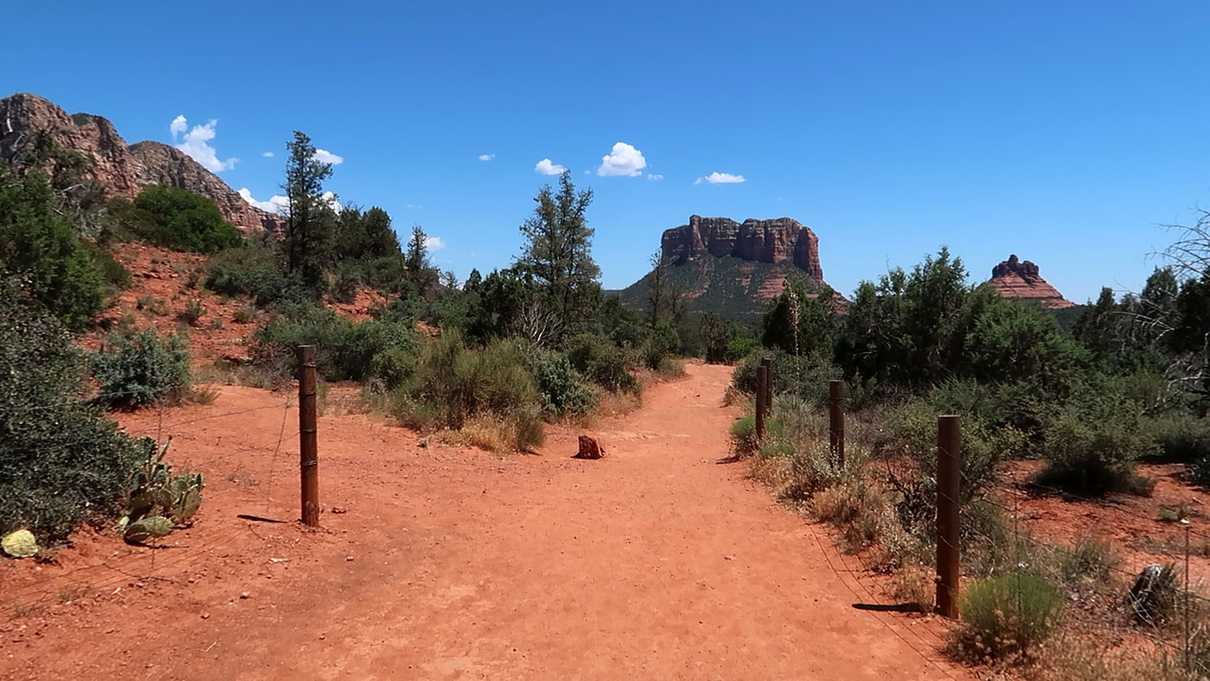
{"points": [[657, 562]]}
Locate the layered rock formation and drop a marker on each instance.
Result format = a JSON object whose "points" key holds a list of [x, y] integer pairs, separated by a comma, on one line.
{"points": [[119, 170], [1021, 280], [166, 165], [732, 268], [771, 241]]}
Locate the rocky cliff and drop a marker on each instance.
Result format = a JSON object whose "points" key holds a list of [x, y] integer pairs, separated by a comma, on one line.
{"points": [[1021, 280], [732, 268], [119, 170], [771, 241]]}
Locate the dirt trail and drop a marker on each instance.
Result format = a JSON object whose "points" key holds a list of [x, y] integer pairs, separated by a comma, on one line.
{"points": [[657, 562]]}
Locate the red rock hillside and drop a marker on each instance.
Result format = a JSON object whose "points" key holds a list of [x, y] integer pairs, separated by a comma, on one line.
{"points": [[119, 170], [1020, 280]]}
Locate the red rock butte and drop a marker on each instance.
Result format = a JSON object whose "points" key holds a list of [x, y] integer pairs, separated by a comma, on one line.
{"points": [[771, 241], [1021, 280]]}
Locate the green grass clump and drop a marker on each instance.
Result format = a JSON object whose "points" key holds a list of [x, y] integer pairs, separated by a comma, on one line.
{"points": [[1008, 614]]}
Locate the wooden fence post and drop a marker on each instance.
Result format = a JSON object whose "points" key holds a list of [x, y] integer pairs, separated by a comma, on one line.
{"points": [[949, 474], [308, 445], [768, 364], [762, 386], [836, 421]]}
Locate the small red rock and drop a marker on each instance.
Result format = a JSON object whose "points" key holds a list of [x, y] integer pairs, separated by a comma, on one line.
{"points": [[589, 449]]}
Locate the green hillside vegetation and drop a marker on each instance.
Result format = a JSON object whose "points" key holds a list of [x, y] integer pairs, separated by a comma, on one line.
{"points": [[727, 286]]}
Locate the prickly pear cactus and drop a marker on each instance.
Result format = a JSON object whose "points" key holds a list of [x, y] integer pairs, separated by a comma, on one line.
{"points": [[144, 530], [186, 497], [19, 544]]}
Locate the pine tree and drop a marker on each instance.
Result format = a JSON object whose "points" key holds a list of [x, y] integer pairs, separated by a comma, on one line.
{"points": [[558, 252], [309, 220]]}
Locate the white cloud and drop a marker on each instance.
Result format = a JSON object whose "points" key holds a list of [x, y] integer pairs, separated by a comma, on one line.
{"points": [[487, 157], [433, 243], [549, 167], [196, 144], [325, 156], [267, 154], [655, 177], [281, 204], [276, 203], [622, 161], [721, 178]]}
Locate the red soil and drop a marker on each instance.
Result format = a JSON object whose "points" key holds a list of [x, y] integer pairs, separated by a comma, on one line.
{"points": [[656, 562]]}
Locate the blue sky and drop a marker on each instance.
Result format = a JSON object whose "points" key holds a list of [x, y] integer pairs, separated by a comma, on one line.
{"points": [[1064, 132]]}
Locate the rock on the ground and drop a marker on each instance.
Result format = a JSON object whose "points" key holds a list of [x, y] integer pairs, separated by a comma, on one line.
{"points": [[589, 449]]}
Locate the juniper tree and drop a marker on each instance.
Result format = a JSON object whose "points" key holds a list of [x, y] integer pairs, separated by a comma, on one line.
{"points": [[558, 252], [309, 218]]}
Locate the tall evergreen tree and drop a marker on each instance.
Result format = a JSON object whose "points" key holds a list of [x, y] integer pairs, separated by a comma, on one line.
{"points": [[420, 272], [309, 219], [558, 252]]}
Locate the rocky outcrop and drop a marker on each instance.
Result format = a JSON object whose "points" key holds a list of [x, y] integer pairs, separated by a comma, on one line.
{"points": [[1021, 280], [25, 120], [118, 170], [771, 241], [166, 165]]}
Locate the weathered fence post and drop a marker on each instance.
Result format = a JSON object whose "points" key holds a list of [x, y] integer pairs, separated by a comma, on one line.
{"points": [[768, 364], [836, 421], [762, 387], [308, 446], [949, 474]]}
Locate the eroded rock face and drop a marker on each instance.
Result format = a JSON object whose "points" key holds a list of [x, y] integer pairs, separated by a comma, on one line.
{"points": [[166, 165], [119, 170], [1021, 280], [772, 241]]}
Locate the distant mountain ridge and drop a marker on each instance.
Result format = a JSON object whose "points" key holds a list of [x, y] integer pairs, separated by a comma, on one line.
{"points": [[118, 169], [732, 268]]}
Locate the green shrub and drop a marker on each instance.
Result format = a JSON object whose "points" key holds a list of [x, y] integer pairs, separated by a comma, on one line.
{"points": [[193, 312], [1092, 448], [1181, 437], [743, 435], [137, 368], [1090, 560], [113, 273], [39, 245], [177, 219], [344, 350], [602, 362], [244, 315], [1008, 614], [61, 460], [564, 391], [253, 271], [461, 382]]}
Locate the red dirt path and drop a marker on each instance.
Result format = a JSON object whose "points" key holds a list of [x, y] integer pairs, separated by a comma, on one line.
{"points": [[656, 562]]}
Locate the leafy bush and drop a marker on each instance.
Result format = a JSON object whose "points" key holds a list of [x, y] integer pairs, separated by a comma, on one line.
{"points": [[193, 312], [177, 219], [136, 368], [344, 350], [564, 390], [602, 362], [38, 244], [253, 271], [1009, 614], [743, 435], [61, 460], [1092, 448], [458, 382]]}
